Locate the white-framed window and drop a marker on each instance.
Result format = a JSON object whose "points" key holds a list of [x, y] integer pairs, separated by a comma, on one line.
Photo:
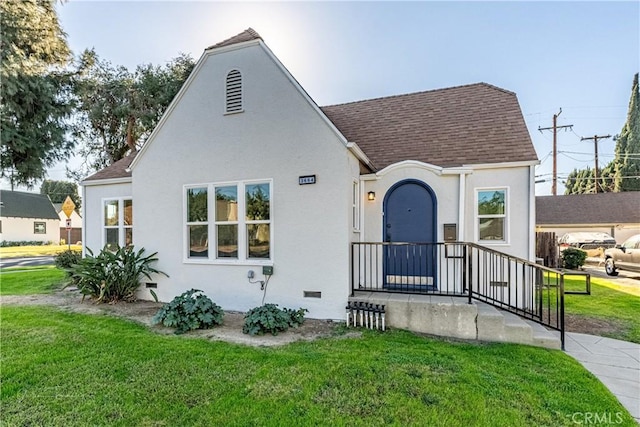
{"points": [[117, 222], [233, 92], [355, 205], [492, 215], [229, 222], [39, 227]]}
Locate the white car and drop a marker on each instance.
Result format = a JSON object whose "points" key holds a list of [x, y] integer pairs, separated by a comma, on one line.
{"points": [[623, 257]]}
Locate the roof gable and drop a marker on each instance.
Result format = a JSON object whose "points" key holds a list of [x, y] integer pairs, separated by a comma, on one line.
{"points": [[245, 36], [459, 126], [18, 204], [464, 125], [600, 208], [119, 169]]}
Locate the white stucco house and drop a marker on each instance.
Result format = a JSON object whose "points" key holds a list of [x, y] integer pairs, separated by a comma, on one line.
{"points": [[244, 171], [28, 217]]}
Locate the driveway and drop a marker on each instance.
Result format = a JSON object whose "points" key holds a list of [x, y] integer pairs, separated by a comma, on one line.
{"points": [[26, 262]]}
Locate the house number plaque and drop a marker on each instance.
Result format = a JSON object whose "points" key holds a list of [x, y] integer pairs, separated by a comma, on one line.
{"points": [[307, 179]]}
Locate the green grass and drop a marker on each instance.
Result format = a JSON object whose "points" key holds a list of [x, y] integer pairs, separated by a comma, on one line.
{"points": [[608, 302], [31, 280], [29, 251], [68, 369]]}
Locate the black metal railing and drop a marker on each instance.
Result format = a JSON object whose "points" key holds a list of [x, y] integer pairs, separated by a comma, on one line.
{"points": [[513, 284]]}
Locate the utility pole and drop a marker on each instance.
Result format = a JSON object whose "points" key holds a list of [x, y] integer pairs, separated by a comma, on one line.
{"points": [[595, 139], [555, 127]]}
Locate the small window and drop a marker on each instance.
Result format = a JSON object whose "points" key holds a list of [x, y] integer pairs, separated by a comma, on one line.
{"points": [[492, 215], [355, 205], [234, 92], [197, 222], [117, 223], [39, 228]]}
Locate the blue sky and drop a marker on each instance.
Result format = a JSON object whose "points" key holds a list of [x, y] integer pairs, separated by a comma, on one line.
{"points": [[578, 56]]}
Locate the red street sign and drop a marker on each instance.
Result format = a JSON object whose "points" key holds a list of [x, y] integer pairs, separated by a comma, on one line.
{"points": [[68, 224]]}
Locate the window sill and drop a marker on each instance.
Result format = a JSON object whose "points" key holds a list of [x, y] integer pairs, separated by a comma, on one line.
{"points": [[244, 262]]}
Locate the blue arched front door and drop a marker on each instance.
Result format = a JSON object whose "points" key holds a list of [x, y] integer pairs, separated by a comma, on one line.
{"points": [[410, 217]]}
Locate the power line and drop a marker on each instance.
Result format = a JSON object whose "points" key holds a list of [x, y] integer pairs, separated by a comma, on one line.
{"points": [[555, 127], [595, 139]]}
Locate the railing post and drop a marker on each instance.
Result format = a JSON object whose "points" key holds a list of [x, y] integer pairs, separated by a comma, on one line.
{"points": [[466, 273], [352, 265], [562, 310]]}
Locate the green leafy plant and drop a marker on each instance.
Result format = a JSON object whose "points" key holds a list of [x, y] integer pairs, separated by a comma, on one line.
{"points": [[573, 258], [113, 276], [270, 318], [67, 259], [191, 310]]}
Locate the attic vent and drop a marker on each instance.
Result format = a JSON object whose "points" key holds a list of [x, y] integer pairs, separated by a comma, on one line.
{"points": [[234, 92]]}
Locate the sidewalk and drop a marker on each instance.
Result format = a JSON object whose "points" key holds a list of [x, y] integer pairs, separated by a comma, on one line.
{"points": [[615, 363]]}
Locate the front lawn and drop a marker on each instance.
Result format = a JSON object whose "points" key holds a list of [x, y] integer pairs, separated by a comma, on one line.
{"points": [[30, 280], [29, 251], [68, 369], [612, 309]]}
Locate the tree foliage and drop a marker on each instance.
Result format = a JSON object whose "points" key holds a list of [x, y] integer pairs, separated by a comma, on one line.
{"points": [[119, 109], [59, 190], [623, 172], [627, 159], [35, 89]]}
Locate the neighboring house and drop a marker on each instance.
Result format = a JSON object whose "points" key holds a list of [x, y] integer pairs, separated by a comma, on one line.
{"points": [[76, 225], [617, 214], [28, 217], [244, 172]]}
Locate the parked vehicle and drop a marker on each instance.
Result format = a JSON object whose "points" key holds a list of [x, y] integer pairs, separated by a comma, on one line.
{"points": [[623, 257], [587, 240]]}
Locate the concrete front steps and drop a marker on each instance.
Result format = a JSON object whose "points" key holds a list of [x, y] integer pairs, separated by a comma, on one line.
{"points": [[455, 317]]}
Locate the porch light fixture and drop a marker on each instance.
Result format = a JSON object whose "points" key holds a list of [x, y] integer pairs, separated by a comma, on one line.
{"points": [[371, 195]]}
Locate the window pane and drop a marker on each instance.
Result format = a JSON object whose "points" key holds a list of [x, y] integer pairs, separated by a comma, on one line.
{"points": [[197, 205], [198, 241], [111, 212], [257, 202], [128, 236], [492, 229], [112, 239], [128, 212], [227, 241], [258, 237], [491, 202], [227, 203], [39, 228]]}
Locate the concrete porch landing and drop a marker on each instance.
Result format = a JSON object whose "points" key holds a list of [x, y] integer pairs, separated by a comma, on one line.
{"points": [[455, 317]]}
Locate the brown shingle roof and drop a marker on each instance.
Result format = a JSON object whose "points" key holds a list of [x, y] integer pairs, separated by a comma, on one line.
{"points": [[472, 124], [583, 209], [116, 170], [245, 36]]}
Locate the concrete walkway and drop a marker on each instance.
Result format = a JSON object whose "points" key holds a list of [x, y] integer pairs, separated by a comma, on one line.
{"points": [[615, 363]]}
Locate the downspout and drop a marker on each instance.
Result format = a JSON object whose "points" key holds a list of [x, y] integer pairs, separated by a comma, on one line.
{"points": [[532, 214], [84, 219], [461, 205]]}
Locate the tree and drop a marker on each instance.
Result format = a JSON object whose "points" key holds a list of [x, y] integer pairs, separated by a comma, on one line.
{"points": [[627, 155], [623, 172], [119, 109], [59, 190], [35, 89]]}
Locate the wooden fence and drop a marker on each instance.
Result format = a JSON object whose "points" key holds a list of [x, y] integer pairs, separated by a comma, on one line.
{"points": [[547, 248]]}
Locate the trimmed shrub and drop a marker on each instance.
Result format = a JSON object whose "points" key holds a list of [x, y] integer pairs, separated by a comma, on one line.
{"points": [[269, 318], [191, 310], [113, 276], [67, 259], [573, 258]]}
